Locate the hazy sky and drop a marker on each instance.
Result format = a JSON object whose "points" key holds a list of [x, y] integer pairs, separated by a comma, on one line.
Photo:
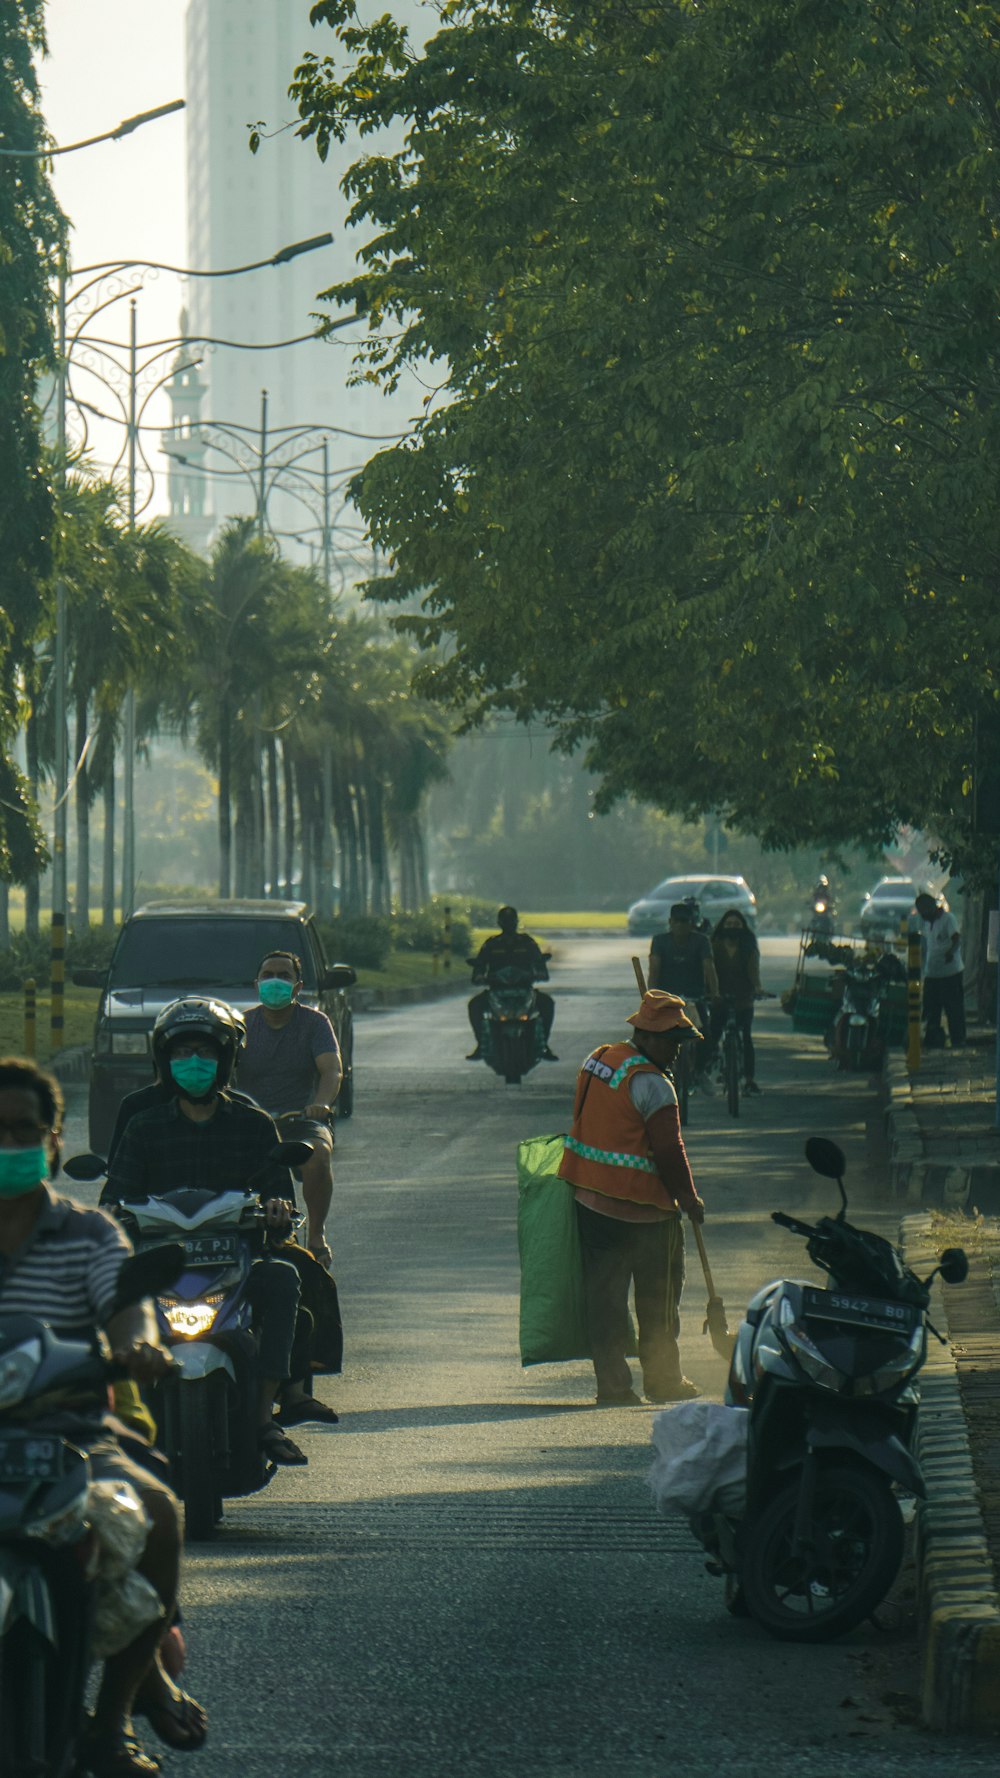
{"points": [[109, 59]]}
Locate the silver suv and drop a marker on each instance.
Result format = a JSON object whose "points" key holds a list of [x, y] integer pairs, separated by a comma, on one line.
{"points": [[168, 949]]}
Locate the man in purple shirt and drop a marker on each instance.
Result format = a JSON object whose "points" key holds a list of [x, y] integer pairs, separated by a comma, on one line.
{"points": [[291, 1065]]}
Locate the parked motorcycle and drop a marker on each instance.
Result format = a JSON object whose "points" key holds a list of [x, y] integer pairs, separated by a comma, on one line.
{"points": [[206, 1410], [513, 1039], [829, 1378], [46, 1538], [858, 1038]]}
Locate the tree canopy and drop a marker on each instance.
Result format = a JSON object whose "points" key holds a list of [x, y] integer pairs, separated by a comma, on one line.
{"points": [[708, 293], [30, 234]]}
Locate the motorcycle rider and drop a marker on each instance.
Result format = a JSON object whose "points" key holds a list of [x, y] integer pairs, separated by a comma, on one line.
{"points": [[162, 1088], [681, 962], [626, 1158], [291, 1066], [204, 1139], [509, 949], [60, 1263]]}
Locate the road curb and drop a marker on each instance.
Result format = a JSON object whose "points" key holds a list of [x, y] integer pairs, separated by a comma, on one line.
{"points": [[959, 1609], [379, 999], [71, 1064]]}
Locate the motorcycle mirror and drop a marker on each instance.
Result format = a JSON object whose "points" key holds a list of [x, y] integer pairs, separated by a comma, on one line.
{"points": [[146, 1274], [953, 1266], [291, 1154], [826, 1158], [85, 1166]]}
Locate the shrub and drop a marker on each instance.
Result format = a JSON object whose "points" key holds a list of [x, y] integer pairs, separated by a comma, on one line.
{"points": [[364, 940], [32, 957]]}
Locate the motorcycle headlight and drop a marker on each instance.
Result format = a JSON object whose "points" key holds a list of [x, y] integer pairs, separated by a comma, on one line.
{"points": [[889, 1376], [188, 1321], [810, 1359], [17, 1368]]}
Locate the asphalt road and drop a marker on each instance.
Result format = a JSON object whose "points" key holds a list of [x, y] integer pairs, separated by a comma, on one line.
{"points": [[469, 1578]]}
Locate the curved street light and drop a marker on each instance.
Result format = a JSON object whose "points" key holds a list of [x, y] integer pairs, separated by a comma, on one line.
{"points": [[125, 128], [65, 299]]}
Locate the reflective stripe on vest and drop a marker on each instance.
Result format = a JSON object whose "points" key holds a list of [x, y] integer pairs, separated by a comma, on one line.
{"points": [[608, 1157]]}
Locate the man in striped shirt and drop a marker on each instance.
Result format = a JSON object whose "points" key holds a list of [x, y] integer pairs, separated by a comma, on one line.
{"points": [[60, 1263]]}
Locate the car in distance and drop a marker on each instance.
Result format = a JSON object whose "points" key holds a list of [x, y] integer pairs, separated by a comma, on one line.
{"points": [[166, 950], [886, 906], [714, 895]]}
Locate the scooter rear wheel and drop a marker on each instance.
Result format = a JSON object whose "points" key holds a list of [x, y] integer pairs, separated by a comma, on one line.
{"points": [[856, 1547]]}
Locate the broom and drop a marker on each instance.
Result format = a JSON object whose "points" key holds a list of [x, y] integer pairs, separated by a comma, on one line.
{"points": [[716, 1324]]}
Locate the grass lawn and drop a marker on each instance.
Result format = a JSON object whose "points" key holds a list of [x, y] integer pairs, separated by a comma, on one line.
{"points": [[411, 969], [563, 922], [79, 1012]]}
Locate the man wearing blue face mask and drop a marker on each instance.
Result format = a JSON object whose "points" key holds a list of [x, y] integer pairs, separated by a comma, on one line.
{"points": [[292, 1067], [203, 1139]]}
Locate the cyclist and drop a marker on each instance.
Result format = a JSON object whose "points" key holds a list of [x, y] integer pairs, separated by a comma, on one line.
{"points": [[681, 962], [736, 955]]}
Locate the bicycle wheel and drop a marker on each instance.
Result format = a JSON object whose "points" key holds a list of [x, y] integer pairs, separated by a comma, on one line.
{"points": [[732, 1071]]}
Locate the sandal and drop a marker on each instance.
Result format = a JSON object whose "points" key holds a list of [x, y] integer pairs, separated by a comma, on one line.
{"points": [[277, 1448], [179, 1720], [115, 1756], [303, 1410]]}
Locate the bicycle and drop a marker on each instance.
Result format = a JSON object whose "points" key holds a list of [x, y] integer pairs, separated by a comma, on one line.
{"points": [[732, 1054]]}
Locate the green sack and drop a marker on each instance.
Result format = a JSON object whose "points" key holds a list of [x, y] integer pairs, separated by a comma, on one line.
{"points": [[553, 1317], [553, 1312]]}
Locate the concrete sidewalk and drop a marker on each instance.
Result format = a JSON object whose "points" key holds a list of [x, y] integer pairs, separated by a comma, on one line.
{"points": [[945, 1153], [943, 1140]]}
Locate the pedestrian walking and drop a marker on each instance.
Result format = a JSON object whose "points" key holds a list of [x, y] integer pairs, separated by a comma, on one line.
{"points": [[944, 973], [625, 1157]]}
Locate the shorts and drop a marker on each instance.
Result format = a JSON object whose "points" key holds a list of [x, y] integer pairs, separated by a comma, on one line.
{"points": [[293, 1127], [109, 1463]]}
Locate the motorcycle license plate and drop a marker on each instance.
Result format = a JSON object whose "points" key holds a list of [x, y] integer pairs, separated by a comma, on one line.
{"points": [[859, 1311], [211, 1250], [30, 1459]]}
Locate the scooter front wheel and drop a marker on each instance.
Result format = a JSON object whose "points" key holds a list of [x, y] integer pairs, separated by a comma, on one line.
{"points": [[197, 1415], [847, 1562]]}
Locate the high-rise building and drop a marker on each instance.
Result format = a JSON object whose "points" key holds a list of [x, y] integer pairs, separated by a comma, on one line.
{"points": [[241, 56]]}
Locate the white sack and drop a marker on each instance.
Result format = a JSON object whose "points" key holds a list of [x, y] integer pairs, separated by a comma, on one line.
{"points": [[701, 1449]]}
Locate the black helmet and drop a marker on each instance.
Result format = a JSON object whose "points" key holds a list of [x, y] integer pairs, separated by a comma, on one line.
{"points": [[222, 1025]]}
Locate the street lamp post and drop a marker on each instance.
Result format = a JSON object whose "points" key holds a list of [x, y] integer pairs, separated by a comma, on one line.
{"points": [[96, 274]]}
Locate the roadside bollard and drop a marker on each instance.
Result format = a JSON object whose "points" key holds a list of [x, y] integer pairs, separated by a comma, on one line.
{"points": [[30, 1024], [435, 957], [913, 971], [447, 938], [57, 980]]}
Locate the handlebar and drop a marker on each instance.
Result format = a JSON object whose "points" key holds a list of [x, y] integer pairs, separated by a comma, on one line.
{"points": [[792, 1222]]}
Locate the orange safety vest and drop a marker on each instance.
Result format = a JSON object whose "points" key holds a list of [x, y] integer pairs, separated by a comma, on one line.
{"points": [[608, 1149]]}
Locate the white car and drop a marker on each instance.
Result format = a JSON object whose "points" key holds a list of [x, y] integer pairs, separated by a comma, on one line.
{"points": [[886, 906], [714, 895]]}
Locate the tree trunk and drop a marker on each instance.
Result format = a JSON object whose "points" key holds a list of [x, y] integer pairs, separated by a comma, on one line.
{"points": [[81, 916], [4, 917], [288, 779], [423, 876], [306, 832], [108, 884], [325, 902], [33, 887], [225, 801], [273, 817], [381, 888]]}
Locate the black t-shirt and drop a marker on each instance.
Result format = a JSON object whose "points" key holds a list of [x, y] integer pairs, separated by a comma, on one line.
{"points": [[682, 969], [518, 951], [162, 1151]]}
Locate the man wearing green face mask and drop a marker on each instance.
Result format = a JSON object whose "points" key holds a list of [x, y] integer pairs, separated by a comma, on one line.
{"points": [[291, 1066]]}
